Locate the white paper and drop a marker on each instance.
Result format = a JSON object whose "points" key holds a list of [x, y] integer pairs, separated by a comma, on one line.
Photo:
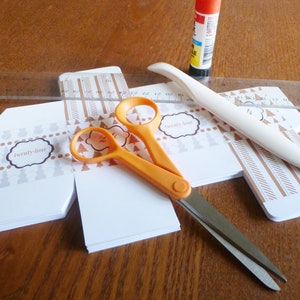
{"points": [[117, 207], [43, 191]]}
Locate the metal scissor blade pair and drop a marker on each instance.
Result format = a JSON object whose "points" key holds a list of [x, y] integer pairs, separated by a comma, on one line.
{"points": [[253, 267], [231, 238]]}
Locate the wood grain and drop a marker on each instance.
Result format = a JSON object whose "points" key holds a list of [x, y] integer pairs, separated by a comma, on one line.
{"points": [[256, 39]]}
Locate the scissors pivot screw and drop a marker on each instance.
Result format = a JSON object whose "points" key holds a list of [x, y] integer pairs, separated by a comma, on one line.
{"points": [[181, 186]]}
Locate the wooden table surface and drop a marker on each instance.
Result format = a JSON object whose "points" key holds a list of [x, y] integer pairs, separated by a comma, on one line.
{"points": [[256, 39]]}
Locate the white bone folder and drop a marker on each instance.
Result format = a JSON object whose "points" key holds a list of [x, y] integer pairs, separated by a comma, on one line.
{"points": [[270, 139]]}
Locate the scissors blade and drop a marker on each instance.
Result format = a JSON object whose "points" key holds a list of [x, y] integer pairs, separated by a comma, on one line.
{"points": [[201, 209], [251, 265]]}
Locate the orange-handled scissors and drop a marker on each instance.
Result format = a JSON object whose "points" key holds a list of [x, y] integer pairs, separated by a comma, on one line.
{"points": [[164, 175]]}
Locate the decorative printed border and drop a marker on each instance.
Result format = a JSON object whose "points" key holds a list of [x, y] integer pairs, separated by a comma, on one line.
{"points": [[30, 154]]}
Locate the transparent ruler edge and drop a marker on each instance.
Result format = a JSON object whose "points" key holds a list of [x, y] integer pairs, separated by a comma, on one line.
{"points": [[34, 91]]}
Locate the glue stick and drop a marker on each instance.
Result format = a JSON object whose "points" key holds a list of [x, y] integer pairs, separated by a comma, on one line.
{"points": [[204, 35]]}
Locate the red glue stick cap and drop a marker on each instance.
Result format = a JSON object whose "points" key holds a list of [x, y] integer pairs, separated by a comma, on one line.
{"points": [[208, 6]]}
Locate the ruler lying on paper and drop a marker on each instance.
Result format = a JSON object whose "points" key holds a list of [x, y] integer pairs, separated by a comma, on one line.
{"points": [[44, 87]]}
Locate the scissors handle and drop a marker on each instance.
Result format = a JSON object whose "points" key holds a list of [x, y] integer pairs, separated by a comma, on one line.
{"points": [[146, 131], [172, 184]]}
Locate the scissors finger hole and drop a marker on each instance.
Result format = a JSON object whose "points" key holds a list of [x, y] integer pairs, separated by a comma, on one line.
{"points": [[137, 111], [93, 145]]}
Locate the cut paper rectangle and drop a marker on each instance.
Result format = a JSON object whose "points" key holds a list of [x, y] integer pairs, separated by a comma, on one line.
{"points": [[275, 183], [118, 208]]}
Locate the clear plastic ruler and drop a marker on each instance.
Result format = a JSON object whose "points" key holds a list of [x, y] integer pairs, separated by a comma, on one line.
{"points": [[43, 86]]}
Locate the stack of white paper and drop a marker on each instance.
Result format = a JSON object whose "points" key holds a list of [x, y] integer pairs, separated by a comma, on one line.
{"points": [[36, 178]]}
